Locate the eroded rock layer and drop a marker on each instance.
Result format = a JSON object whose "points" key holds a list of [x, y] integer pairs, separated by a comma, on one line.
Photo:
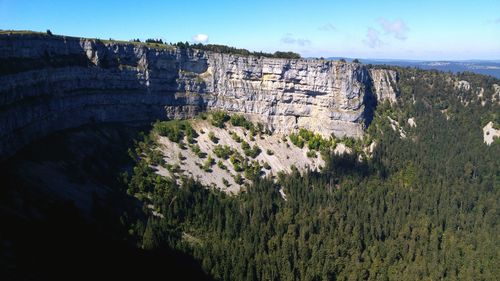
{"points": [[49, 83]]}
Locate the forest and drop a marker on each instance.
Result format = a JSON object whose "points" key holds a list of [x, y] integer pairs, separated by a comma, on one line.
{"points": [[217, 48], [423, 207]]}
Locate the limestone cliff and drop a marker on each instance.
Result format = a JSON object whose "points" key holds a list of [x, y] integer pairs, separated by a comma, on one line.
{"points": [[49, 83]]}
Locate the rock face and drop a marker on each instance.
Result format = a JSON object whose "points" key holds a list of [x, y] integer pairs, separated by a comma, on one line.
{"points": [[385, 84], [49, 83]]}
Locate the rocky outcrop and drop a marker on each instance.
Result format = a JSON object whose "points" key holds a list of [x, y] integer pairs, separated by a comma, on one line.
{"points": [[495, 98], [490, 133], [49, 83], [385, 84], [462, 85]]}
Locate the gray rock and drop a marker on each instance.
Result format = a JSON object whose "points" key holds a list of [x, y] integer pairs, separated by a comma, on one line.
{"points": [[53, 83]]}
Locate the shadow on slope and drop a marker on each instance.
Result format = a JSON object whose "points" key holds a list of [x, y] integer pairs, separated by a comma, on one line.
{"points": [[60, 204]]}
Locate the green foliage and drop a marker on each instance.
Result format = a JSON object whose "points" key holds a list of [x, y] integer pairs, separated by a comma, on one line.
{"points": [[269, 152], [297, 140], [253, 152], [156, 41], [175, 130], [245, 145], [222, 151], [311, 154], [252, 170], [314, 141], [207, 165], [237, 160], [232, 50], [221, 165], [236, 138], [422, 208], [348, 141], [240, 121], [219, 118], [266, 166], [197, 151], [212, 137], [239, 179]]}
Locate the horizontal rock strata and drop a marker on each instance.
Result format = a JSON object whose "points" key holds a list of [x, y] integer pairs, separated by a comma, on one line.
{"points": [[49, 83]]}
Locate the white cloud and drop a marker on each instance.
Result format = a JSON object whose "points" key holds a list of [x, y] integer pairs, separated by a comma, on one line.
{"points": [[396, 28], [289, 39], [373, 38], [327, 27], [200, 38]]}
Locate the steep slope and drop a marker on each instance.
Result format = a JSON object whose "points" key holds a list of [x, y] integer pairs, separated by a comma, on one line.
{"points": [[425, 205]]}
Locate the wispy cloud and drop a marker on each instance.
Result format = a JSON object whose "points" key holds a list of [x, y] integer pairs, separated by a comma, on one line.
{"points": [[200, 38], [290, 39], [396, 28], [372, 38], [327, 27]]}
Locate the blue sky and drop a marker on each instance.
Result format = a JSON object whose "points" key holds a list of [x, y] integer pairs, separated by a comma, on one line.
{"points": [[419, 29]]}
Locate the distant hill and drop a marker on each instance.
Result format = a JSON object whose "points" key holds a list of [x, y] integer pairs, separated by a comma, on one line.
{"points": [[485, 67]]}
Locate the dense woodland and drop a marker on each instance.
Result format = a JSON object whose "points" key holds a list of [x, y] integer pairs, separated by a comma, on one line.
{"points": [[424, 207], [223, 49], [237, 51]]}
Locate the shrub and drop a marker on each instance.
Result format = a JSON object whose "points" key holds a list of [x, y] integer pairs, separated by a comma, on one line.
{"points": [[221, 165], [269, 152], [311, 154], [218, 118], [238, 179], [236, 138], [245, 145], [156, 158], [254, 152], [236, 159], [252, 171], [191, 134], [181, 157], [197, 150], [222, 151], [225, 182], [207, 165], [297, 140], [175, 130], [305, 134], [267, 166], [238, 120], [212, 137], [349, 141]]}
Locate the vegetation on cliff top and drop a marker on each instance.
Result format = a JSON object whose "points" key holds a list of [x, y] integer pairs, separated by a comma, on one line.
{"points": [[160, 44]]}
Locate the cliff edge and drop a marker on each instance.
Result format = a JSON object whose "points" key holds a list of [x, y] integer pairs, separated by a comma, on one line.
{"points": [[49, 83]]}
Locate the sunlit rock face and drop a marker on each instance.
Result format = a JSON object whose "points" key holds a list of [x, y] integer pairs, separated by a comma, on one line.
{"points": [[49, 83]]}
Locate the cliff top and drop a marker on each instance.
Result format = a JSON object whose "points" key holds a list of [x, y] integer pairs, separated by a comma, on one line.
{"points": [[157, 46]]}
